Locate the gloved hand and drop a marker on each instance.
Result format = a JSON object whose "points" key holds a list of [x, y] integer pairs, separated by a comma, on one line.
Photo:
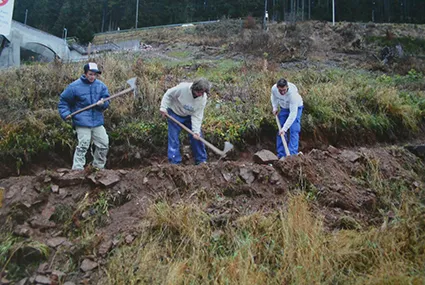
{"points": [[100, 102]]}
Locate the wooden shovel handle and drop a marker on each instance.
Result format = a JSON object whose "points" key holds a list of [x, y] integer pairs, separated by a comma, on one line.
{"points": [[285, 145], [106, 99], [216, 150]]}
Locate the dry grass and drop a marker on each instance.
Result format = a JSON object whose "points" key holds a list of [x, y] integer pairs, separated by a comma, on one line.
{"points": [[286, 247]]}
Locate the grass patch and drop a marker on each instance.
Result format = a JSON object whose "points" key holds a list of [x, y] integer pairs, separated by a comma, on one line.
{"points": [[19, 256], [179, 54], [410, 45]]}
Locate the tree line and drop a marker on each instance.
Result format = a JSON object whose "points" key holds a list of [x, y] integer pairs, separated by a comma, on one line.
{"points": [[82, 17]]}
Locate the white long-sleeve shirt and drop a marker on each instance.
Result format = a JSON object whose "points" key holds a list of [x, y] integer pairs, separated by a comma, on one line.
{"points": [[291, 100], [181, 101]]}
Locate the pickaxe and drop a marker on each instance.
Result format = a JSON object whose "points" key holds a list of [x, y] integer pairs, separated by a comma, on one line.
{"points": [[131, 82], [222, 153]]}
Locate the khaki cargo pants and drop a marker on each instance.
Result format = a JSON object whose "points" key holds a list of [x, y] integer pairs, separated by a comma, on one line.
{"points": [[86, 136]]}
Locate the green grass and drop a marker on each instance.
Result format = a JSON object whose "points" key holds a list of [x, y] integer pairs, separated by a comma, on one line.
{"points": [[343, 104]]}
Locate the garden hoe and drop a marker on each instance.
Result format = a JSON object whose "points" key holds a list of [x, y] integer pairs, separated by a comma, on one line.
{"points": [[285, 145], [131, 82], [222, 153]]}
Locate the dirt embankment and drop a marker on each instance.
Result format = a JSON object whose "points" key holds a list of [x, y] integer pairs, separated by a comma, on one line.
{"points": [[345, 187]]}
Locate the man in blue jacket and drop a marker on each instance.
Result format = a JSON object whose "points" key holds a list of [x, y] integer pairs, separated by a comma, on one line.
{"points": [[88, 124]]}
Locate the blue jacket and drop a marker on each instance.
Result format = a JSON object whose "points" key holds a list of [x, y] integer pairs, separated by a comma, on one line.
{"points": [[82, 93]]}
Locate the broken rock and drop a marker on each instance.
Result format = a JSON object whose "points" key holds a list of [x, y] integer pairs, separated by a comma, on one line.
{"points": [[129, 239], [22, 281], [55, 242], [105, 247], [265, 157], [40, 279], [23, 231], [48, 212], [55, 188], [350, 156], [333, 150], [88, 265], [247, 175], [42, 268], [109, 178], [75, 177], [42, 224]]}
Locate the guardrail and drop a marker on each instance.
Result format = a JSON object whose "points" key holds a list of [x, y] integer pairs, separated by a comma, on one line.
{"points": [[156, 27]]}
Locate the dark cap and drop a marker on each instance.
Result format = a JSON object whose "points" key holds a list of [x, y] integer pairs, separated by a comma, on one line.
{"points": [[91, 66]]}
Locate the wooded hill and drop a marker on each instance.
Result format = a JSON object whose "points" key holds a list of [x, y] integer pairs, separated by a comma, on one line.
{"points": [[82, 17]]}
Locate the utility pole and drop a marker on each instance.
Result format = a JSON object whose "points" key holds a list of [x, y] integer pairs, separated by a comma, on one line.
{"points": [[137, 13], [26, 17], [302, 8], [309, 9], [333, 12]]}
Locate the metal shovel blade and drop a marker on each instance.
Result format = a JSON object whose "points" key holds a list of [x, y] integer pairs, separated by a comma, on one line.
{"points": [[227, 147]]}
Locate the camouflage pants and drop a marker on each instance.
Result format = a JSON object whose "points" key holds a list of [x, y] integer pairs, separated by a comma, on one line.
{"points": [[86, 136]]}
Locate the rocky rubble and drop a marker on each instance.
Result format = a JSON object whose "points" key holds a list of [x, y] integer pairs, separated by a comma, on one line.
{"points": [[51, 207]]}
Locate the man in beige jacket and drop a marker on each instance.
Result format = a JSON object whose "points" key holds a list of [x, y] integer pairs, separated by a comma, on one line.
{"points": [[186, 103]]}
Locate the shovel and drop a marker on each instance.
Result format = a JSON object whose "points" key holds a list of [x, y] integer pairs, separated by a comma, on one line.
{"points": [[222, 153], [285, 145], [131, 82]]}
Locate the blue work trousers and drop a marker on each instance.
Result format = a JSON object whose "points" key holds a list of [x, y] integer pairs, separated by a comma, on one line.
{"points": [[198, 147], [294, 133]]}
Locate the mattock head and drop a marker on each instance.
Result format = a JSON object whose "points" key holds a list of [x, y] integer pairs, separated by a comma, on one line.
{"points": [[132, 83]]}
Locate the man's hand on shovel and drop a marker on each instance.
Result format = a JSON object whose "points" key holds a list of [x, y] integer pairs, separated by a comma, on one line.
{"points": [[100, 102]]}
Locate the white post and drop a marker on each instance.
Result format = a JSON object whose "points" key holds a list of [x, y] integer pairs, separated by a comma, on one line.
{"points": [[333, 12], [65, 34]]}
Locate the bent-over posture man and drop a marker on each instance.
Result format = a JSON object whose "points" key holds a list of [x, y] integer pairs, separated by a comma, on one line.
{"points": [[88, 124], [285, 95], [186, 103]]}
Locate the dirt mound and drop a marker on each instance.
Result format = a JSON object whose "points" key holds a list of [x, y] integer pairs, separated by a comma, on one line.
{"points": [[57, 208]]}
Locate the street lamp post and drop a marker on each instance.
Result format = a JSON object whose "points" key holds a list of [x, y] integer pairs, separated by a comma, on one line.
{"points": [[265, 12], [137, 13], [26, 16]]}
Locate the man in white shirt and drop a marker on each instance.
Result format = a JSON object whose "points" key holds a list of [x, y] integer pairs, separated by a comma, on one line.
{"points": [[186, 103], [285, 95]]}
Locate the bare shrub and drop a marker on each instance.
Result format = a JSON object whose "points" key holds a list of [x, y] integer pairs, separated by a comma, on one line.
{"points": [[249, 23]]}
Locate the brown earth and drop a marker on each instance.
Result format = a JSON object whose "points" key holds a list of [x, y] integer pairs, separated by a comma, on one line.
{"points": [[337, 181]]}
